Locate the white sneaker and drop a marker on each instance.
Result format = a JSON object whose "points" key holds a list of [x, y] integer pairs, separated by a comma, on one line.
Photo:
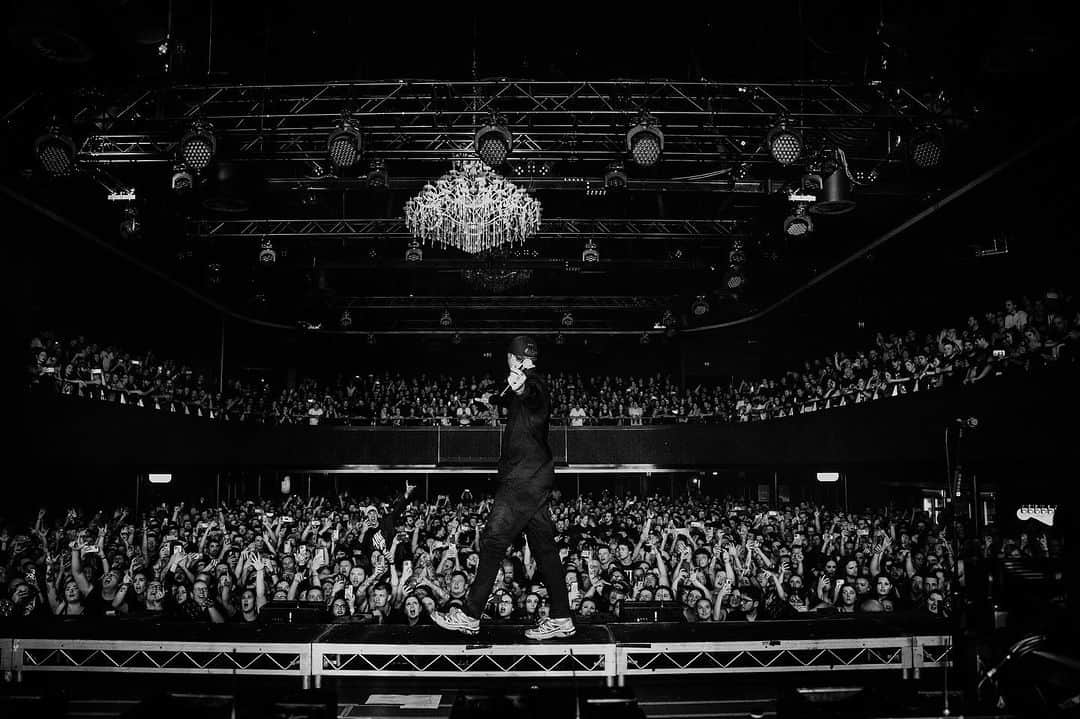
{"points": [[551, 629], [456, 621]]}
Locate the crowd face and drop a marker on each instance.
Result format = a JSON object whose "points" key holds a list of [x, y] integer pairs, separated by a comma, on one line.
{"points": [[716, 557]]}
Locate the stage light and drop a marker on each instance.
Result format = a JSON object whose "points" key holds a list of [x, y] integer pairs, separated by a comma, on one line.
{"points": [[182, 180], [590, 253], [700, 306], [344, 145], [735, 277], [567, 319], [828, 476], [159, 478], [214, 274], [445, 320], [615, 176], [346, 319], [668, 319], [560, 339], [493, 143], [198, 146], [267, 255], [371, 338], [927, 147], [131, 225], [737, 255], [644, 339], [645, 141], [832, 198], [56, 152], [798, 224], [414, 253], [456, 339], [784, 144], [377, 177]]}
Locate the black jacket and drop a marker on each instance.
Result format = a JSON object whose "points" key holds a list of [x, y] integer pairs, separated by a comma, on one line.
{"points": [[525, 450]]}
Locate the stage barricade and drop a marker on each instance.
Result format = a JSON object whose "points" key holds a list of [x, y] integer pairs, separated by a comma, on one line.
{"points": [[611, 652], [6, 655], [498, 651], [164, 649]]}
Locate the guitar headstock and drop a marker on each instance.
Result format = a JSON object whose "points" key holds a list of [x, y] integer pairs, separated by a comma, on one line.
{"points": [[1039, 512]]}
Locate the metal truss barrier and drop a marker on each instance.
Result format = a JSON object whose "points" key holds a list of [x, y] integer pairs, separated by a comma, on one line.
{"points": [[7, 659], [465, 660], [162, 657], [613, 662], [907, 654], [429, 120]]}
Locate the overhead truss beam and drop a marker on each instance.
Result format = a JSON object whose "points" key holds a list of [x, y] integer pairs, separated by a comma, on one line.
{"points": [[392, 228], [425, 120], [499, 303]]}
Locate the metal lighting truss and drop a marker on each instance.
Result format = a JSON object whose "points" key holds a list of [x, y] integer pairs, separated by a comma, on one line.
{"points": [[497, 303], [558, 120], [575, 229]]}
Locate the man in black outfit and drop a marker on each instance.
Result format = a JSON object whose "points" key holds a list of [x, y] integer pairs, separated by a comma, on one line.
{"points": [[526, 474]]}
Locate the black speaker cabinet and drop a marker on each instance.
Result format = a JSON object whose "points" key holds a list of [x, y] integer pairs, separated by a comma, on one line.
{"points": [[548, 703], [293, 612], [651, 612]]}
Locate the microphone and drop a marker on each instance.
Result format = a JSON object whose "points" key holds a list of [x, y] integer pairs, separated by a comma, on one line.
{"points": [[507, 387]]}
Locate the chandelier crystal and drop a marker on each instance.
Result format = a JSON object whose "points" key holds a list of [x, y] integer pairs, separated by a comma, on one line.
{"points": [[473, 209], [495, 272]]}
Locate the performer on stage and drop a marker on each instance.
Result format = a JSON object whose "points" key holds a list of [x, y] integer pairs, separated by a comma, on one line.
{"points": [[526, 477]]}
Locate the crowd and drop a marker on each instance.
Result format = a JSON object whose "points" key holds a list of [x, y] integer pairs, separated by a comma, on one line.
{"points": [[1015, 337], [364, 560]]}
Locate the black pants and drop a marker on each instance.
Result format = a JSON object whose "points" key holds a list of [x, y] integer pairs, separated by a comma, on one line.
{"points": [[520, 504]]}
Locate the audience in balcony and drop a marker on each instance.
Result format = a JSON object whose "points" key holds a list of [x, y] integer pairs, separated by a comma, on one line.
{"points": [[1016, 337]]}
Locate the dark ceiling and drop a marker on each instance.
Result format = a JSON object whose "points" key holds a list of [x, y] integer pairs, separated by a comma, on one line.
{"points": [[992, 79]]}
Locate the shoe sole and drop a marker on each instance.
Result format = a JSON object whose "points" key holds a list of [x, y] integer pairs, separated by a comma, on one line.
{"points": [[460, 630], [560, 635]]}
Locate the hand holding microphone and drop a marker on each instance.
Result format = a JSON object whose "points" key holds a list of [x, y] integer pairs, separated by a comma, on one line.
{"points": [[514, 381]]}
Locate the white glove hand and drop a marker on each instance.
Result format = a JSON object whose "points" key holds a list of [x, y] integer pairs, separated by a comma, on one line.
{"points": [[516, 380]]}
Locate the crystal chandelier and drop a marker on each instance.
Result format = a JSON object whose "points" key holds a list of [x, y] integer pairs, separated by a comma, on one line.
{"points": [[494, 272], [473, 209]]}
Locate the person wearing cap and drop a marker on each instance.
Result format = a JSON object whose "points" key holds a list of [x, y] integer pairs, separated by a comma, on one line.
{"points": [[526, 477]]}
